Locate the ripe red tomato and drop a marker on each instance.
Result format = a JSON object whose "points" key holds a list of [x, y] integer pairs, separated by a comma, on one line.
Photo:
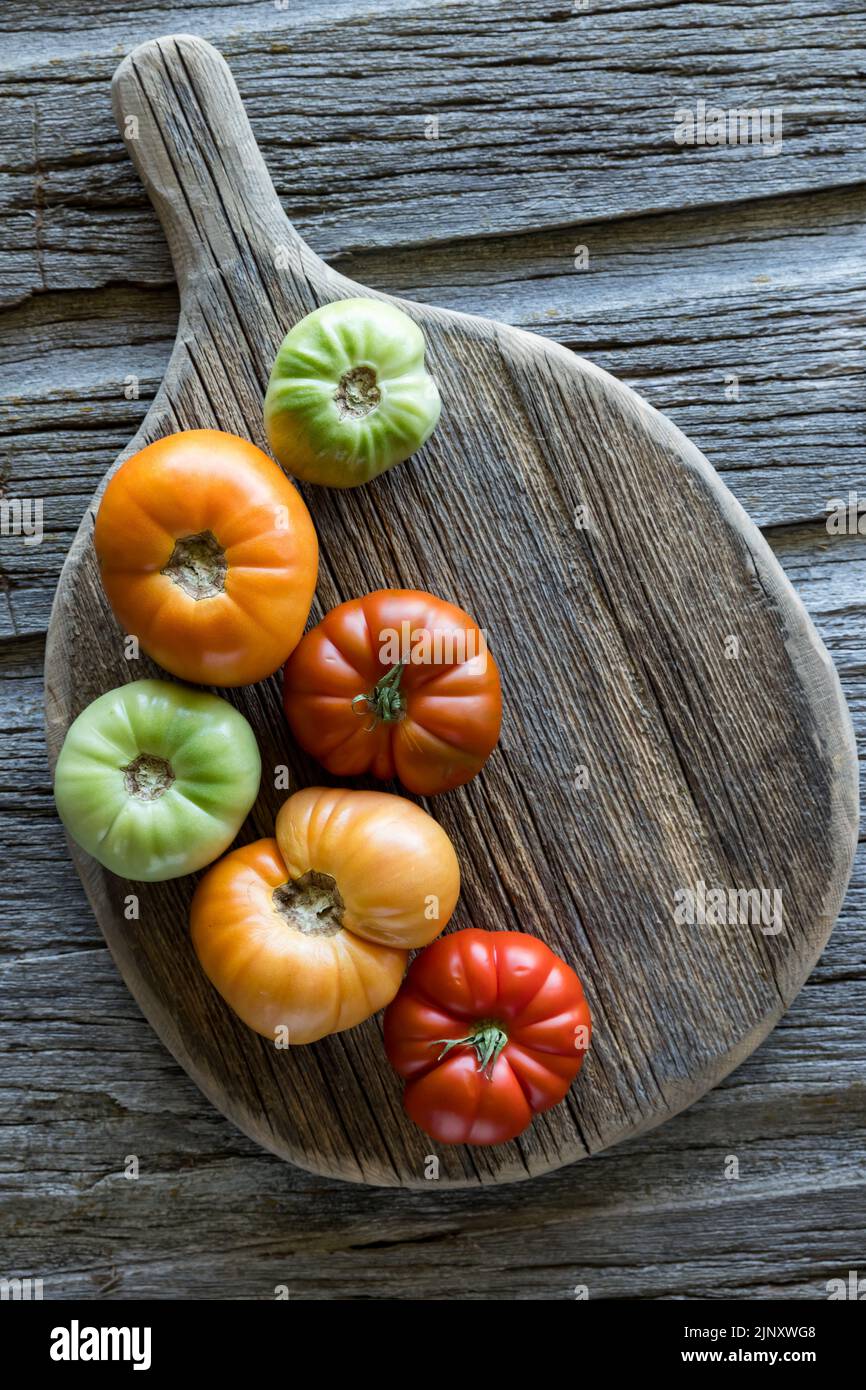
{"points": [[400, 684], [488, 1029]]}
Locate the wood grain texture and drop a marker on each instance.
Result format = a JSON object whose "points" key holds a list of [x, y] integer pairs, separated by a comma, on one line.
{"points": [[214, 1216], [771, 292], [84, 1080], [687, 751], [546, 116]]}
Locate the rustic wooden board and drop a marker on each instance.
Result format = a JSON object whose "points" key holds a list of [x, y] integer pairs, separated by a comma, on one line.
{"points": [[737, 772]]}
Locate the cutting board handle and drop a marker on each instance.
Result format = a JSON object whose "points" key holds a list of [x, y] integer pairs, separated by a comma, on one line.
{"points": [[183, 122]]}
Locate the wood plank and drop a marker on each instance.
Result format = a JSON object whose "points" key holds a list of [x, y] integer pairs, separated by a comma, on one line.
{"points": [[546, 117], [828, 572], [798, 1112], [794, 1113], [672, 305]]}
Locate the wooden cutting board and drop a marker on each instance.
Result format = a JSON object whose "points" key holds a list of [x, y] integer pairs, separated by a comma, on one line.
{"points": [[671, 716]]}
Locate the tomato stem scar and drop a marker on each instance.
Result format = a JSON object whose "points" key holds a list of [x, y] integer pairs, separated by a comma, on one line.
{"points": [[311, 904], [147, 777], [198, 565], [357, 393]]}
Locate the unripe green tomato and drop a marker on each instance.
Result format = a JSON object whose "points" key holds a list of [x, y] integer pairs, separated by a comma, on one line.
{"points": [[155, 779], [349, 395]]}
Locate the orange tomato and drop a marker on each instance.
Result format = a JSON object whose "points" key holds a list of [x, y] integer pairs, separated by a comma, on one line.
{"points": [[208, 555], [399, 683], [276, 973], [310, 932]]}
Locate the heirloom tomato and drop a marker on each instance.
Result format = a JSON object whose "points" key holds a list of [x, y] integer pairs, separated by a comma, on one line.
{"points": [[208, 556], [155, 779], [349, 395], [488, 1029], [309, 932], [400, 684]]}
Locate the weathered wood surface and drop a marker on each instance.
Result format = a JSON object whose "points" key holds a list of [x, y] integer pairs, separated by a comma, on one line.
{"points": [[771, 293], [547, 116], [611, 638], [84, 1080]]}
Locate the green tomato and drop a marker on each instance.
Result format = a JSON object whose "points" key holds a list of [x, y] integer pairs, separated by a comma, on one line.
{"points": [[349, 395], [155, 779]]}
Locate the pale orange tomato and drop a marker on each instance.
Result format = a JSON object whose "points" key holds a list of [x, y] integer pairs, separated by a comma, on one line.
{"points": [[208, 556], [394, 865], [273, 972], [310, 932]]}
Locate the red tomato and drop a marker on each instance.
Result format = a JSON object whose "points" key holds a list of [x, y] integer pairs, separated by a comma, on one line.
{"points": [[400, 684], [488, 1029]]}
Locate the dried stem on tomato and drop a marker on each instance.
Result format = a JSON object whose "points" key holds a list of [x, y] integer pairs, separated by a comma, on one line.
{"points": [[385, 702], [487, 1038]]}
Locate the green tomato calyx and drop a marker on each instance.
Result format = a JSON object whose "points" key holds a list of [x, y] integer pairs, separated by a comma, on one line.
{"points": [[310, 904], [147, 777], [198, 565], [357, 394], [385, 703], [488, 1038]]}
